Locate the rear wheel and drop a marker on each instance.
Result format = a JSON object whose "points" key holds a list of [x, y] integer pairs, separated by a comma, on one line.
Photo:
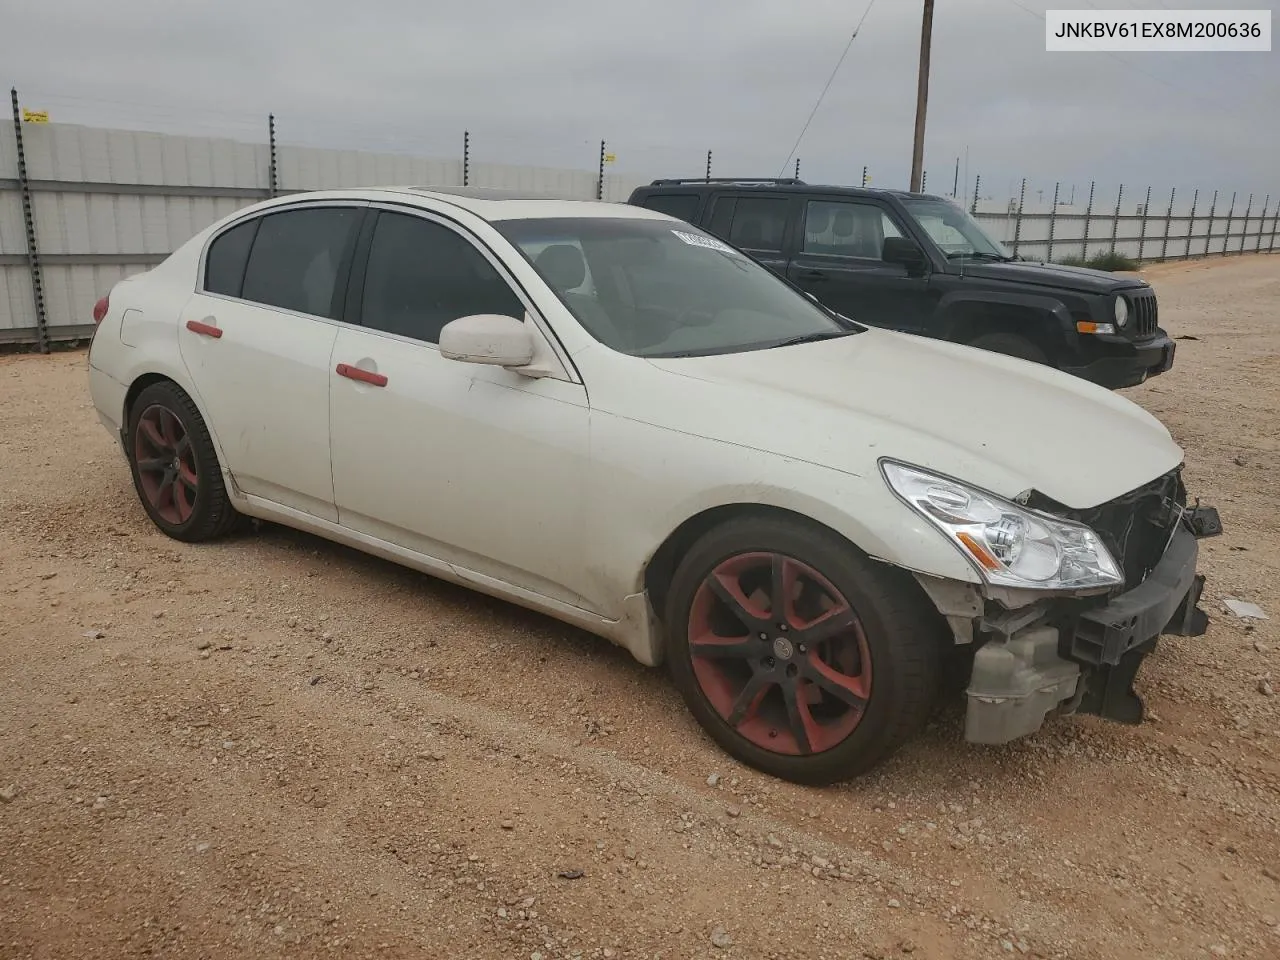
{"points": [[175, 469], [1011, 345], [797, 655]]}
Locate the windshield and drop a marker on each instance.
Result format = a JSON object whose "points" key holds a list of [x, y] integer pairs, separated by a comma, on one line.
{"points": [[655, 288], [953, 230]]}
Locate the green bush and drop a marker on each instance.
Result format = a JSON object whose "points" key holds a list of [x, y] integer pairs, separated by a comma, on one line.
{"points": [[1102, 261]]}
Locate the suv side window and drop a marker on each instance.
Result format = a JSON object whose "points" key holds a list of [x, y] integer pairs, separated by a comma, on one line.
{"points": [[422, 275], [683, 206], [759, 223], [297, 257], [228, 255], [845, 228]]}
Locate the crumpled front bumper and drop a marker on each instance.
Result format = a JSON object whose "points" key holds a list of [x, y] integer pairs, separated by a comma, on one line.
{"points": [[1086, 661]]}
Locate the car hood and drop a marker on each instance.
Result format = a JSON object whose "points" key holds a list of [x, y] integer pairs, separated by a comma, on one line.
{"points": [[1000, 423], [1048, 275]]}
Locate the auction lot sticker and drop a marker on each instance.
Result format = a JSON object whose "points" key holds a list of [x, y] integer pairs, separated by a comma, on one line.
{"points": [[1170, 31]]}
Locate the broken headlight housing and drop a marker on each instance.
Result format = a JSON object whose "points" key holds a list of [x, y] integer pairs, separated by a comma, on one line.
{"points": [[1010, 545]]}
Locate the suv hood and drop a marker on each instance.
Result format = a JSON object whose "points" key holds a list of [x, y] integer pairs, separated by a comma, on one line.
{"points": [[1000, 423], [1047, 275]]}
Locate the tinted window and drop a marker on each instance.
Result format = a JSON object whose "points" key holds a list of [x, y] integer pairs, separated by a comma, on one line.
{"points": [[758, 223], [296, 259], [722, 217], [681, 205], [422, 275], [228, 254], [846, 229]]}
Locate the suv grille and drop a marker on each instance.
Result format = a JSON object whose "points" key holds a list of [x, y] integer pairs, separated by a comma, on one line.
{"points": [[1137, 526], [1146, 313]]}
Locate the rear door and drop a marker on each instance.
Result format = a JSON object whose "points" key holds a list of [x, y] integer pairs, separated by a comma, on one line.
{"points": [[761, 224], [839, 260], [257, 338]]}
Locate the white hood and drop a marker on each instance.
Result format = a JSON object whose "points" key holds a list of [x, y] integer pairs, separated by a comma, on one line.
{"points": [[1000, 423]]}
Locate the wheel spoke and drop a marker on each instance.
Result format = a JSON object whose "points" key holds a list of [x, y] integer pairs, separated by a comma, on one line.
{"points": [[852, 690], [187, 477], [798, 717], [152, 434], [183, 445], [168, 427], [781, 587], [151, 464], [724, 648], [832, 623], [748, 700], [730, 594]]}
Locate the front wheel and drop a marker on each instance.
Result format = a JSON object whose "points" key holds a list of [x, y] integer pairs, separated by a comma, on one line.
{"points": [[799, 656]]}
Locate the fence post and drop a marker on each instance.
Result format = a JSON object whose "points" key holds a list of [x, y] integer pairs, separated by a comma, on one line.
{"points": [[1262, 223], [273, 181], [466, 158], [864, 176], [600, 178], [955, 183], [977, 185], [924, 178], [1208, 236], [1115, 221], [1053, 222], [29, 217], [1168, 220], [1226, 238], [797, 168], [1142, 233], [1088, 216], [1275, 218], [1017, 224], [708, 166], [1191, 224], [1244, 227]]}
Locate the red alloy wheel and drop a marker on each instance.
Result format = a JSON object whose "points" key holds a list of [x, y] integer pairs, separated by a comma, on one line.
{"points": [[166, 464], [779, 653]]}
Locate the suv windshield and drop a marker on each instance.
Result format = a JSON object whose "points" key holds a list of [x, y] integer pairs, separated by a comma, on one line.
{"points": [[655, 288], [953, 230]]}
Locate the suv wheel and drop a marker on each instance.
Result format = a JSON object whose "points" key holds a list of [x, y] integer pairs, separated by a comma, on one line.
{"points": [[797, 655]]}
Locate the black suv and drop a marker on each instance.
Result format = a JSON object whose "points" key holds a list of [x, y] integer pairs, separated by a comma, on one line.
{"points": [[921, 264]]}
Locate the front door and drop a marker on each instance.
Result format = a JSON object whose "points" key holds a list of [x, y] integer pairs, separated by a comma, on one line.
{"points": [[471, 465], [257, 338], [839, 261]]}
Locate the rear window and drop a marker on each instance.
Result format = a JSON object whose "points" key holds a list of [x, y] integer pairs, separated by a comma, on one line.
{"points": [[228, 254], [683, 206]]}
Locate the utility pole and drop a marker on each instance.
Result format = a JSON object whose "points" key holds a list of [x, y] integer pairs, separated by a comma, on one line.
{"points": [[922, 96]]}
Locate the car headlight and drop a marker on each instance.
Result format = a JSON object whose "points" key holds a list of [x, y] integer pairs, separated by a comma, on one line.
{"points": [[1010, 545], [1122, 311]]}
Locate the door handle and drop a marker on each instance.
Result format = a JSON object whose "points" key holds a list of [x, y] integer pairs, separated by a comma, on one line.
{"points": [[812, 275], [204, 329], [364, 376]]}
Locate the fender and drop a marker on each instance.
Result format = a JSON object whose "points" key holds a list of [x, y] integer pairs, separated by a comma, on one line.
{"points": [[953, 303]]}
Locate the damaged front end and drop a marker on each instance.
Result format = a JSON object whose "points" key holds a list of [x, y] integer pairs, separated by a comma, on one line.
{"points": [[1038, 655]]}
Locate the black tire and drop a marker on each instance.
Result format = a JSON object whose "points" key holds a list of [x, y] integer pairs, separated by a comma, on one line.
{"points": [[900, 627], [1011, 345], [188, 513]]}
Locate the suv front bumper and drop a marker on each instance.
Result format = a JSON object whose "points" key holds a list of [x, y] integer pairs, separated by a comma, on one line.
{"points": [[1115, 362], [1086, 662]]}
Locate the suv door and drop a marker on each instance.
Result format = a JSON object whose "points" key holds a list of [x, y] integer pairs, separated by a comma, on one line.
{"points": [[762, 225], [263, 315], [470, 465], [838, 260]]}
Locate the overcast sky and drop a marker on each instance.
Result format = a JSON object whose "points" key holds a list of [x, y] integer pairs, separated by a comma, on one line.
{"points": [[663, 82]]}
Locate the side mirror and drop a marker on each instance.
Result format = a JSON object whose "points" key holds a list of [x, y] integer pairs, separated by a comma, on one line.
{"points": [[487, 338], [904, 251]]}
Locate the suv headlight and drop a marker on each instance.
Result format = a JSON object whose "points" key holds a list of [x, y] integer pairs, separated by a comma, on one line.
{"points": [[1010, 545], [1121, 311]]}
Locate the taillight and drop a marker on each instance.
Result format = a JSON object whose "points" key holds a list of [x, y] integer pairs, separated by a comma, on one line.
{"points": [[100, 308]]}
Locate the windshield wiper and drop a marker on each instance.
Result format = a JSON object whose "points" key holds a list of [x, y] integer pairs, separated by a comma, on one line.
{"points": [[978, 255], [813, 337]]}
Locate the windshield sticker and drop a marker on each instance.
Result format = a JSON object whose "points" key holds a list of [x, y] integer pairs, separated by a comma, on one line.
{"points": [[710, 243]]}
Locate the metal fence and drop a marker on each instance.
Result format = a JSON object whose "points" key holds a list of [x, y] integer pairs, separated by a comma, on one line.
{"points": [[82, 207]]}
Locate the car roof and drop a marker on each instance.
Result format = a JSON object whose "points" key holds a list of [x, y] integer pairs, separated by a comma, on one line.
{"points": [[491, 203], [781, 185]]}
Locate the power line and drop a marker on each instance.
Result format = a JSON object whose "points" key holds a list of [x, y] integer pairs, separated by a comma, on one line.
{"points": [[830, 80]]}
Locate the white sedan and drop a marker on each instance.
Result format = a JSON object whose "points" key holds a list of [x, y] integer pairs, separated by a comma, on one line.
{"points": [[605, 414]]}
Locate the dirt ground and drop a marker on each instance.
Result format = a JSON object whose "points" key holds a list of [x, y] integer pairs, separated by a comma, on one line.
{"points": [[276, 747]]}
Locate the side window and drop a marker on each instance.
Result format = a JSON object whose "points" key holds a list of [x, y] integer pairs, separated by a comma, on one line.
{"points": [[228, 254], [422, 275], [296, 258], [846, 229], [683, 206], [759, 223], [722, 217]]}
